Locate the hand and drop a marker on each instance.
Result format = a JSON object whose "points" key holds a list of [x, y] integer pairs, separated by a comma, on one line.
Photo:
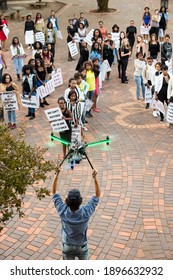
{"points": [[44, 84], [63, 118], [130, 53], [30, 95], [5, 66], [156, 96], [76, 124], [94, 174]]}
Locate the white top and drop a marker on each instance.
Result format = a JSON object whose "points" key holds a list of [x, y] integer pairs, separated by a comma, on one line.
{"points": [[14, 50], [148, 74], [139, 65]]}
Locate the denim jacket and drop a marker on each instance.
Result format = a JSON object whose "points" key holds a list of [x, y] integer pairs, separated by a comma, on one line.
{"points": [[56, 21]]}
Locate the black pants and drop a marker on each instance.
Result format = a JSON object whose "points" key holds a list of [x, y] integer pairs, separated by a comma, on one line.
{"points": [[124, 63], [162, 97]]}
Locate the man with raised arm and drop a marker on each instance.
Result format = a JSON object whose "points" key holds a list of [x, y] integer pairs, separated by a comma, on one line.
{"points": [[74, 219]]}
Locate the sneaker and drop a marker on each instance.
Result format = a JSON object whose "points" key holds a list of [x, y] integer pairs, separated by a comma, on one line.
{"points": [[9, 125], [155, 114], [85, 128], [161, 120], [45, 103], [147, 106], [158, 113], [41, 104], [13, 126]]}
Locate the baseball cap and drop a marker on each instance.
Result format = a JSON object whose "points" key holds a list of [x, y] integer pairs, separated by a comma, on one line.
{"points": [[74, 194]]}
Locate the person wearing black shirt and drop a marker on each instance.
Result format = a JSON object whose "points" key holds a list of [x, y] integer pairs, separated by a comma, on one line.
{"points": [[84, 55], [154, 47], [125, 53], [131, 32], [29, 26], [82, 20], [71, 30], [29, 85]]}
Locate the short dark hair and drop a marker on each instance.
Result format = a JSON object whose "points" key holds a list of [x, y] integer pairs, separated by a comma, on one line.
{"points": [[25, 68], [167, 35], [72, 92], [164, 67], [62, 99], [74, 205], [37, 42], [78, 75], [4, 77], [49, 24]]}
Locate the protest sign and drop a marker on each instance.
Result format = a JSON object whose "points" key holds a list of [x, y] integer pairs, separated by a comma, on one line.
{"points": [[54, 116], [72, 48], [76, 38], [57, 77], [88, 38], [32, 102], [39, 36], [116, 39], [43, 91], [9, 101], [29, 37], [148, 95], [76, 134], [59, 34], [6, 30], [144, 30], [105, 67], [88, 104], [169, 115], [157, 104]]}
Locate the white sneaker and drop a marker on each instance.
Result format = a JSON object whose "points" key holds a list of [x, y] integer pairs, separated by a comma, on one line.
{"points": [[155, 114], [158, 113], [146, 41], [85, 128]]}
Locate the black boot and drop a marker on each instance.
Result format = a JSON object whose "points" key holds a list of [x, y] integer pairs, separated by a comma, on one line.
{"points": [[41, 104], [28, 115], [32, 116], [18, 77], [45, 102]]}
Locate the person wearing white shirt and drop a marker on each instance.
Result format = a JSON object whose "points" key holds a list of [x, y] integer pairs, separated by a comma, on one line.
{"points": [[148, 75], [139, 64]]}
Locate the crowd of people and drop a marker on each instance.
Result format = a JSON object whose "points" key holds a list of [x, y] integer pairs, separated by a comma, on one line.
{"points": [[152, 67]]}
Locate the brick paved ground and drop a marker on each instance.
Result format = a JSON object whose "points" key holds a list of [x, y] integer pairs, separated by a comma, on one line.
{"points": [[135, 217]]}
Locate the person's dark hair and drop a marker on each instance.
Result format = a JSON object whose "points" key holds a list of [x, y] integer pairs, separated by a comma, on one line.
{"points": [[72, 92], [82, 69], [167, 35], [30, 60], [61, 99], [70, 80], [47, 55], [100, 21], [81, 13], [88, 63], [164, 67], [25, 68], [139, 53], [78, 75], [13, 43], [115, 26], [147, 13], [37, 42], [4, 77], [41, 62], [74, 205], [50, 23], [149, 58], [100, 34], [159, 63], [164, 10], [82, 24], [153, 35], [93, 48], [28, 16]]}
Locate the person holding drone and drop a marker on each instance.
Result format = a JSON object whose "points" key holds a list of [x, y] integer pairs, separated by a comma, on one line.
{"points": [[75, 218]]}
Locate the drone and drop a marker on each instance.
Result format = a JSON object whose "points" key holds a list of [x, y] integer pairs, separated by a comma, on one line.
{"points": [[77, 149]]}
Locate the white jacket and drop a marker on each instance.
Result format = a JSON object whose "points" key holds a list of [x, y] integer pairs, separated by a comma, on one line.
{"points": [[158, 81], [148, 74], [14, 50], [139, 65]]}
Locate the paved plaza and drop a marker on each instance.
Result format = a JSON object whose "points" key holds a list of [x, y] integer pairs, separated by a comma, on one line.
{"points": [[134, 219]]}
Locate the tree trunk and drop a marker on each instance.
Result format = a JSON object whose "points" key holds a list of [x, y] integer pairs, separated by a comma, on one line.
{"points": [[102, 5]]}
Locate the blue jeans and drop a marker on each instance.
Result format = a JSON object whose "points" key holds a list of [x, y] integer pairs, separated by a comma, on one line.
{"points": [[115, 55], [11, 115], [30, 110], [18, 64], [70, 252], [90, 94], [139, 83]]}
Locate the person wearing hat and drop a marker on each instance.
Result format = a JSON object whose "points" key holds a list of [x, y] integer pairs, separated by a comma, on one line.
{"points": [[74, 219]]}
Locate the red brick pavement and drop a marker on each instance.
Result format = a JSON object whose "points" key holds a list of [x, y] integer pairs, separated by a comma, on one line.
{"points": [[134, 219]]}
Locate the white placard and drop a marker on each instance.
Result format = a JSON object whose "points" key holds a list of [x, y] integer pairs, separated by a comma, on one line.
{"points": [[169, 64], [54, 116], [116, 39], [89, 37], [88, 104], [76, 38], [6, 30], [169, 115], [57, 77], [9, 101], [73, 48], [148, 95], [76, 134], [32, 102], [39, 36], [144, 30], [43, 91], [59, 34], [158, 105], [105, 67], [29, 37]]}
